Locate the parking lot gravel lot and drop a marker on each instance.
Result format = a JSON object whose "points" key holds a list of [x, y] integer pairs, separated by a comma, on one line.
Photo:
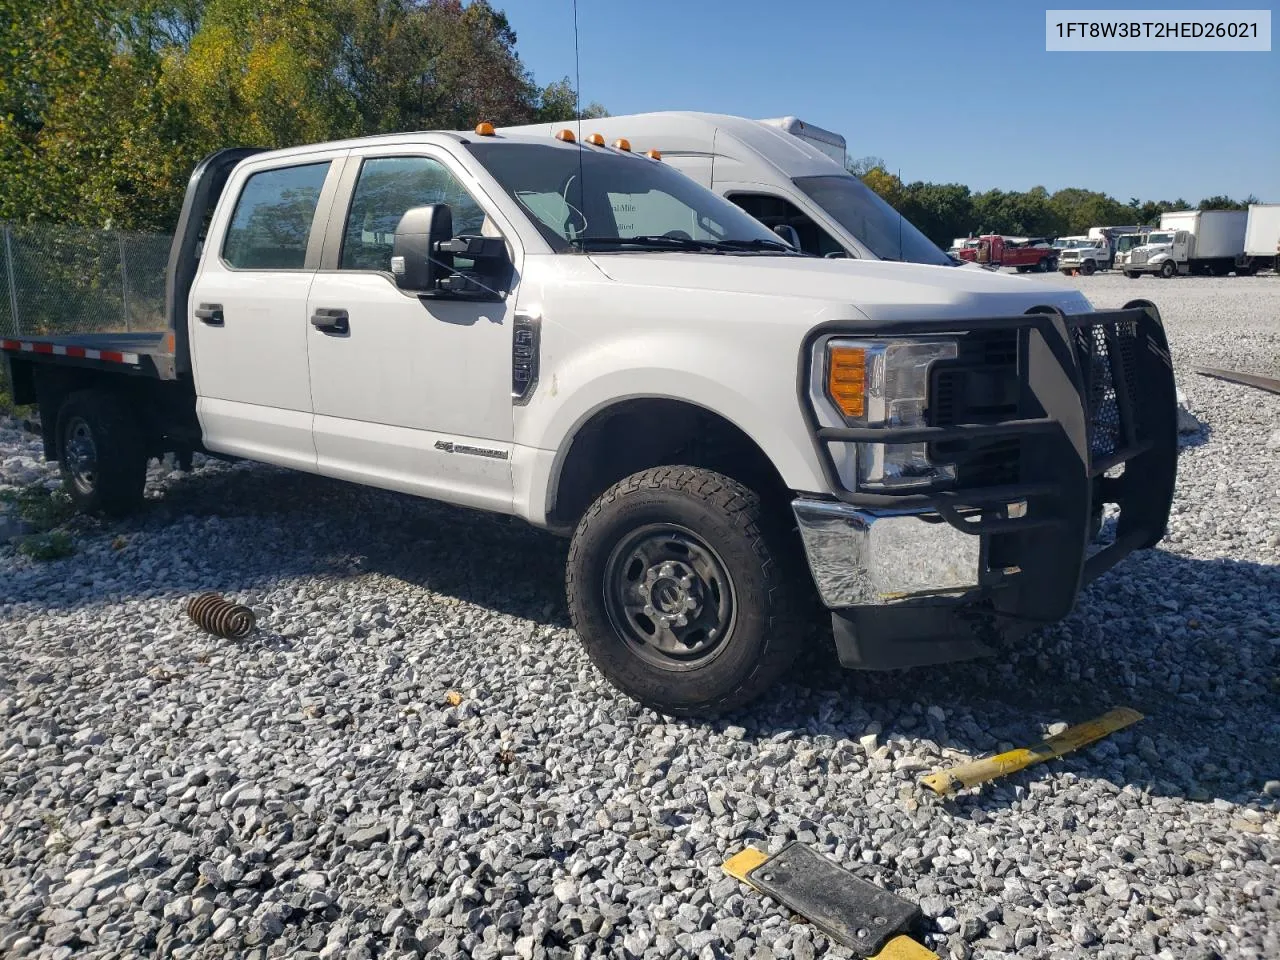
{"points": [[316, 791]]}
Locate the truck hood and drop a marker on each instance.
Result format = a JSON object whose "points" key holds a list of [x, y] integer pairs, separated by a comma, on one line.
{"points": [[878, 289]]}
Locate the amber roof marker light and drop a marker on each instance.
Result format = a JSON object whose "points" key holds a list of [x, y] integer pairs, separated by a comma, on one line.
{"points": [[596, 140], [653, 154], [566, 135], [622, 143], [485, 129]]}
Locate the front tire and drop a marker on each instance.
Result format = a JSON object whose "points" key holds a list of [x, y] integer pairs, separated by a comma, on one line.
{"points": [[1133, 274], [675, 589], [1088, 268], [101, 452], [1168, 270]]}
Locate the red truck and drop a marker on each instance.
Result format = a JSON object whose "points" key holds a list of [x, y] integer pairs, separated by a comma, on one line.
{"points": [[1025, 253]]}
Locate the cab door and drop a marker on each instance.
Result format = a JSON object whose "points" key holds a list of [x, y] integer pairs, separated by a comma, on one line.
{"points": [[248, 310], [410, 393]]}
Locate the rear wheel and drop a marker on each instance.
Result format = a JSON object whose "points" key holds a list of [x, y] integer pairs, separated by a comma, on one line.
{"points": [[1168, 269], [101, 452], [1044, 266], [675, 589]]}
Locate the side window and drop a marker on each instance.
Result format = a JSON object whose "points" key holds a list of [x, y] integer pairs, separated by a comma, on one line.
{"points": [[775, 211], [387, 187], [272, 219]]}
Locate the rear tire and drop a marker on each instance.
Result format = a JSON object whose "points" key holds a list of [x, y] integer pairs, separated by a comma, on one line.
{"points": [[675, 587], [1044, 266], [101, 452]]}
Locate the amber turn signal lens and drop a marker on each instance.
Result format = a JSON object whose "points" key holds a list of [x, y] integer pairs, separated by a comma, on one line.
{"points": [[847, 380], [484, 129], [622, 143], [566, 135]]}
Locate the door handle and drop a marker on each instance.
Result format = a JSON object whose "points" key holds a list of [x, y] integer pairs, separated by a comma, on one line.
{"points": [[210, 313], [328, 320]]}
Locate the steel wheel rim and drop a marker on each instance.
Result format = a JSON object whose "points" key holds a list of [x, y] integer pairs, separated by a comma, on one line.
{"points": [[80, 455], [669, 596]]}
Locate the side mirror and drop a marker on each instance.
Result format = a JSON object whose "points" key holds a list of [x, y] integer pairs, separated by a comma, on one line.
{"points": [[417, 262], [788, 233]]}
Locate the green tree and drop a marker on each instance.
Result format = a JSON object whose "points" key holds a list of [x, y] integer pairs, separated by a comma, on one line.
{"points": [[105, 105], [1222, 202], [942, 211], [559, 102]]}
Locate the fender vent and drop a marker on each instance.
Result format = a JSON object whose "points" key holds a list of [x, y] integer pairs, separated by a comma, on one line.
{"points": [[525, 348]]}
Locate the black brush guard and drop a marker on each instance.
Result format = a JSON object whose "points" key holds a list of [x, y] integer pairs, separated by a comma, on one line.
{"points": [[1096, 424]]}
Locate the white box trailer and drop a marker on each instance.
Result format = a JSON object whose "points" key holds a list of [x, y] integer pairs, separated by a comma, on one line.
{"points": [[1219, 234], [1262, 236]]}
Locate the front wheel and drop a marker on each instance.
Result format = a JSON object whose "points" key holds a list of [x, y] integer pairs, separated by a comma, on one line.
{"points": [[675, 589], [101, 452], [1088, 268], [1168, 269], [1133, 274]]}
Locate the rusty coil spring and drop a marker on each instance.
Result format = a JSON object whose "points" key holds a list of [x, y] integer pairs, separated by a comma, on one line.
{"points": [[221, 618]]}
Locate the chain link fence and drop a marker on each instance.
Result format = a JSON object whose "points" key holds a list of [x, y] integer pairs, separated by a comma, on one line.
{"points": [[56, 280]]}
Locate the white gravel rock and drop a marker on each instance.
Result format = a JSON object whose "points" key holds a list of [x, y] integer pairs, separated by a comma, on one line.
{"points": [[309, 792]]}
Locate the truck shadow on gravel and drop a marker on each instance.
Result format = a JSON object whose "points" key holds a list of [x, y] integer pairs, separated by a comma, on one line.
{"points": [[1193, 644]]}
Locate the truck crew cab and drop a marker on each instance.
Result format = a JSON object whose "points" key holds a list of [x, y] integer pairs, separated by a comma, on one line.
{"points": [[584, 337]]}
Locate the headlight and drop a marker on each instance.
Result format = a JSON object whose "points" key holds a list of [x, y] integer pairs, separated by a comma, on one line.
{"points": [[883, 383]]}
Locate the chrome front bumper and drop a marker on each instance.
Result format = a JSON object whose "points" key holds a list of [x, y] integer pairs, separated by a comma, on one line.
{"points": [[862, 557]]}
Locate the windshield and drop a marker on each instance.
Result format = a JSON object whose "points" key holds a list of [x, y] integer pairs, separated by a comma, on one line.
{"points": [[1160, 238], [1129, 241], [593, 199], [862, 212]]}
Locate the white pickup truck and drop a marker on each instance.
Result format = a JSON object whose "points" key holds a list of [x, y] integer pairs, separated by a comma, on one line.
{"points": [[581, 336], [1086, 255]]}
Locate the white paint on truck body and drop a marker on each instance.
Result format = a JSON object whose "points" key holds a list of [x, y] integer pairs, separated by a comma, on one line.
{"points": [[722, 332]]}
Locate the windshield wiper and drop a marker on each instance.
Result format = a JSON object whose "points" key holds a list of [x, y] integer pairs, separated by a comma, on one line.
{"points": [[663, 242], [650, 242], [758, 244]]}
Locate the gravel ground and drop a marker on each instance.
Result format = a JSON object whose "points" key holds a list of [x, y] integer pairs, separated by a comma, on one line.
{"points": [[412, 758]]}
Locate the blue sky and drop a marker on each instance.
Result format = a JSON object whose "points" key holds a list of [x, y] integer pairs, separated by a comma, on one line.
{"points": [[948, 91]]}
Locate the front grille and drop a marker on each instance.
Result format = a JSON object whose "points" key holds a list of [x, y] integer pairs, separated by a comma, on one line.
{"points": [[1069, 255], [1108, 366], [979, 386], [1137, 257]]}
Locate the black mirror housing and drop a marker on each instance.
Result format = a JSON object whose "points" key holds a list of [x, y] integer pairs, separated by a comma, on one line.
{"points": [[418, 261]]}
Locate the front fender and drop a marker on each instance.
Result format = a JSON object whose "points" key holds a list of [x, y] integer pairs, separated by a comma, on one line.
{"points": [[751, 387]]}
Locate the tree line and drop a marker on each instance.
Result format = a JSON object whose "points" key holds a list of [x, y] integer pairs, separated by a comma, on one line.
{"points": [[945, 211], [106, 105]]}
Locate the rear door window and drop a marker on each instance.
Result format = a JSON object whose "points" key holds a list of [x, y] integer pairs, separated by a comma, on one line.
{"points": [[273, 217]]}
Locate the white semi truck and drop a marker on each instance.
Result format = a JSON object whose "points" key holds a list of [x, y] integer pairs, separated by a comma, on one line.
{"points": [[1192, 241], [730, 432]]}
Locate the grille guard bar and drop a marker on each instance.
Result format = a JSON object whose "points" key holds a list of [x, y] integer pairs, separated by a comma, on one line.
{"points": [[1132, 383]]}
